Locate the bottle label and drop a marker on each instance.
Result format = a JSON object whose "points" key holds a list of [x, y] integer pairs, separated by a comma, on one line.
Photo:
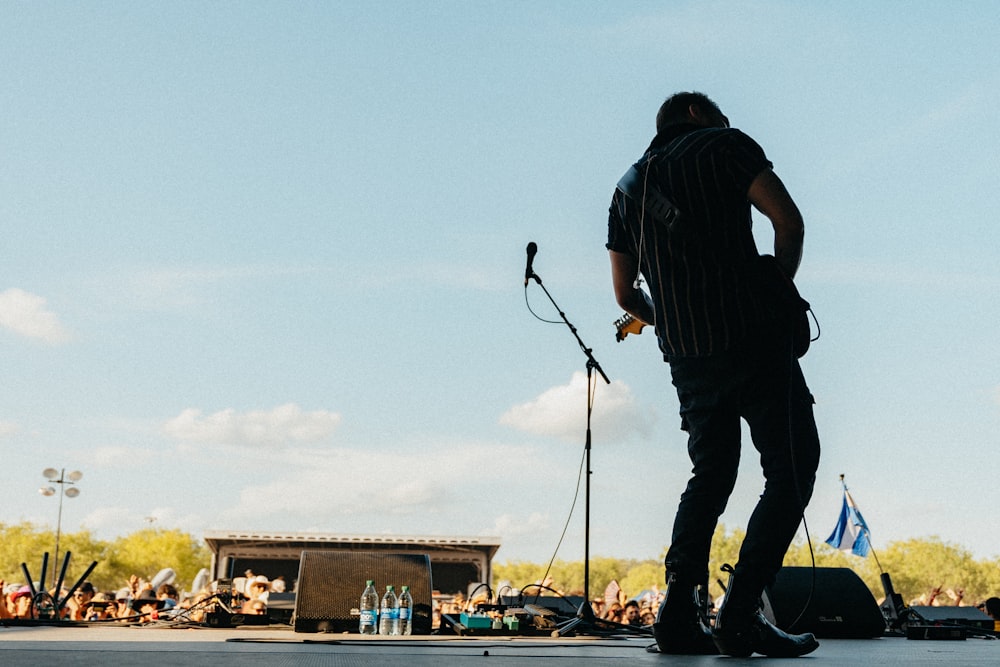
{"points": [[404, 613], [367, 617]]}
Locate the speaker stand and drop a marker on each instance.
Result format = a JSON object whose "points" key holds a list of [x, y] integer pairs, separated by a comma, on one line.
{"points": [[586, 622]]}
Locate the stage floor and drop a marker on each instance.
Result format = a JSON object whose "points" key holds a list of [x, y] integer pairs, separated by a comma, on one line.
{"points": [[279, 646]]}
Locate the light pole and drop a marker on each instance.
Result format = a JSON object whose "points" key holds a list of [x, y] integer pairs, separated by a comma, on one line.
{"points": [[66, 483]]}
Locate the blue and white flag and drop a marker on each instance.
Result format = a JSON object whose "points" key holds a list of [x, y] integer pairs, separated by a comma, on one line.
{"points": [[851, 533]]}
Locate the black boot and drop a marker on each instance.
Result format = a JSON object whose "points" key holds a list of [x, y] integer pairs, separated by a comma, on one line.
{"points": [[741, 628], [679, 628]]}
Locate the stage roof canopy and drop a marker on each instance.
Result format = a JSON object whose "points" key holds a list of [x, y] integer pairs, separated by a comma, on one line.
{"points": [[218, 540]]}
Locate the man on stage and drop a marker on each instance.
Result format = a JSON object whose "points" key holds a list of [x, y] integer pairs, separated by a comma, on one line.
{"points": [[680, 220]]}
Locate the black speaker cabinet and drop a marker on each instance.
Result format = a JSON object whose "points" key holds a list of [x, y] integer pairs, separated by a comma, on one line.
{"points": [[331, 582], [841, 606]]}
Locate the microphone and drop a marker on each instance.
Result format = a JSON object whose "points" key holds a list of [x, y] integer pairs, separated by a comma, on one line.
{"points": [[528, 273]]}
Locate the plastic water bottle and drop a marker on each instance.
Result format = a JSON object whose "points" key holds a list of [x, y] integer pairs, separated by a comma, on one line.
{"points": [[405, 611], [368, 625], [388, 617]]}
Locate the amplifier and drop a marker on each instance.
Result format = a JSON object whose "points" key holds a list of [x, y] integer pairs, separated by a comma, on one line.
{"points": [[330, 585], [969, 617]]}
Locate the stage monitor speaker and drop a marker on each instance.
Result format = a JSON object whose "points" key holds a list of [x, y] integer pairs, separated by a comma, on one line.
{"points": [[841, 606], [330, 584], [969, 617]]}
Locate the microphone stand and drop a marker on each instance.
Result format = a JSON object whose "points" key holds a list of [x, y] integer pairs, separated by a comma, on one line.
{"points": [[585, 614]]}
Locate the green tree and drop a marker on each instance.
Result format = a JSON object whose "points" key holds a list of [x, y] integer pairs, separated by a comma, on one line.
{"points": [[143, 553], [643, 575], [919, 566], [725, 550], [634, 576], [518, 574], [22, 543], [988, 576], [25, 543], [146, 552]]}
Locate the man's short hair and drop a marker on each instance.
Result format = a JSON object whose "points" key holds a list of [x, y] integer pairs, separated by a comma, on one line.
{"points": [[674, 110]]}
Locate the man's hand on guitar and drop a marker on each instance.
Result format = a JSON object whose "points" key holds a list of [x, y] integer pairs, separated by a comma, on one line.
{"points": [[626, 325]]}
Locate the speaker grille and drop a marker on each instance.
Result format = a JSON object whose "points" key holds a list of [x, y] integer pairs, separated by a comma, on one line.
{"points": [[330, 584]]}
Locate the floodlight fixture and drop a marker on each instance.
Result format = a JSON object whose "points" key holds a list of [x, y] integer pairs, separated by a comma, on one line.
{"points": [[66, 482]]}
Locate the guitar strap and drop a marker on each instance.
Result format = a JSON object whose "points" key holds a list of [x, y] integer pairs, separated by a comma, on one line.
{"points": [[653, 201]]}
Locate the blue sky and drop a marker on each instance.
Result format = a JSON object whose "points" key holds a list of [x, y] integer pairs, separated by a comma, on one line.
{"points": [[263, 262]]}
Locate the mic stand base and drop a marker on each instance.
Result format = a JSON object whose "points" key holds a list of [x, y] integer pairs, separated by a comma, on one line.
{"points": [[586, 623]]}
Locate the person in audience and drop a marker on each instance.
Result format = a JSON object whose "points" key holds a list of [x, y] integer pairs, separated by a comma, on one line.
{"points": [[76, 608], [614, 612], [169, 595], [258, 590], [598, 605], [631, 613], [6, 604], [991, 607], [23, 605], [121, 599], [146, 605]]}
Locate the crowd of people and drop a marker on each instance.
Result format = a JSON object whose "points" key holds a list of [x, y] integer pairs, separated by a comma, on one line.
{"points": [[139, 602], [642, 609]]}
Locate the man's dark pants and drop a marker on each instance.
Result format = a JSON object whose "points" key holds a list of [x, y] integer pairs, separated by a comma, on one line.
{"points": [[759, 381]]}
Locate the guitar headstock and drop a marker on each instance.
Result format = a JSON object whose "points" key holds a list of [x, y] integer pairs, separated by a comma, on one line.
{"points": [[625, 325]]}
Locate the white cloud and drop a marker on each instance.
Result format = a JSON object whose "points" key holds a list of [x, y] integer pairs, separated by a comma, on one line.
{"points": [[346, 485], [561, 412], [8, 428], [113, 520], [120, 456], [285, 424], [379, 488], [26, 314], [513, 525], [182, 287]]}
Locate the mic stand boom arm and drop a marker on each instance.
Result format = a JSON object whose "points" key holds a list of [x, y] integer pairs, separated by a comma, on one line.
{"points": [[591, 361]]}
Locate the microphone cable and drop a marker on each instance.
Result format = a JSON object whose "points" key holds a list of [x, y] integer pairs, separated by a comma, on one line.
{"points": [[795, 474]]}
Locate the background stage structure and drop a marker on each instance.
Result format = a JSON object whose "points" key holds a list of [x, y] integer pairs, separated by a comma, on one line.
{"points": [[456, 562]]}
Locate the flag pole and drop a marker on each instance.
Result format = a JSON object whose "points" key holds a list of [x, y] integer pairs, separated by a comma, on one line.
{"points": [[864, 527], [894, 610]]}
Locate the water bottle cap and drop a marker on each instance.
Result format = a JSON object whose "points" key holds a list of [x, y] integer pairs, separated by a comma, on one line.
{"points": [[389, 588], [370, 582], [406, 588]]}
